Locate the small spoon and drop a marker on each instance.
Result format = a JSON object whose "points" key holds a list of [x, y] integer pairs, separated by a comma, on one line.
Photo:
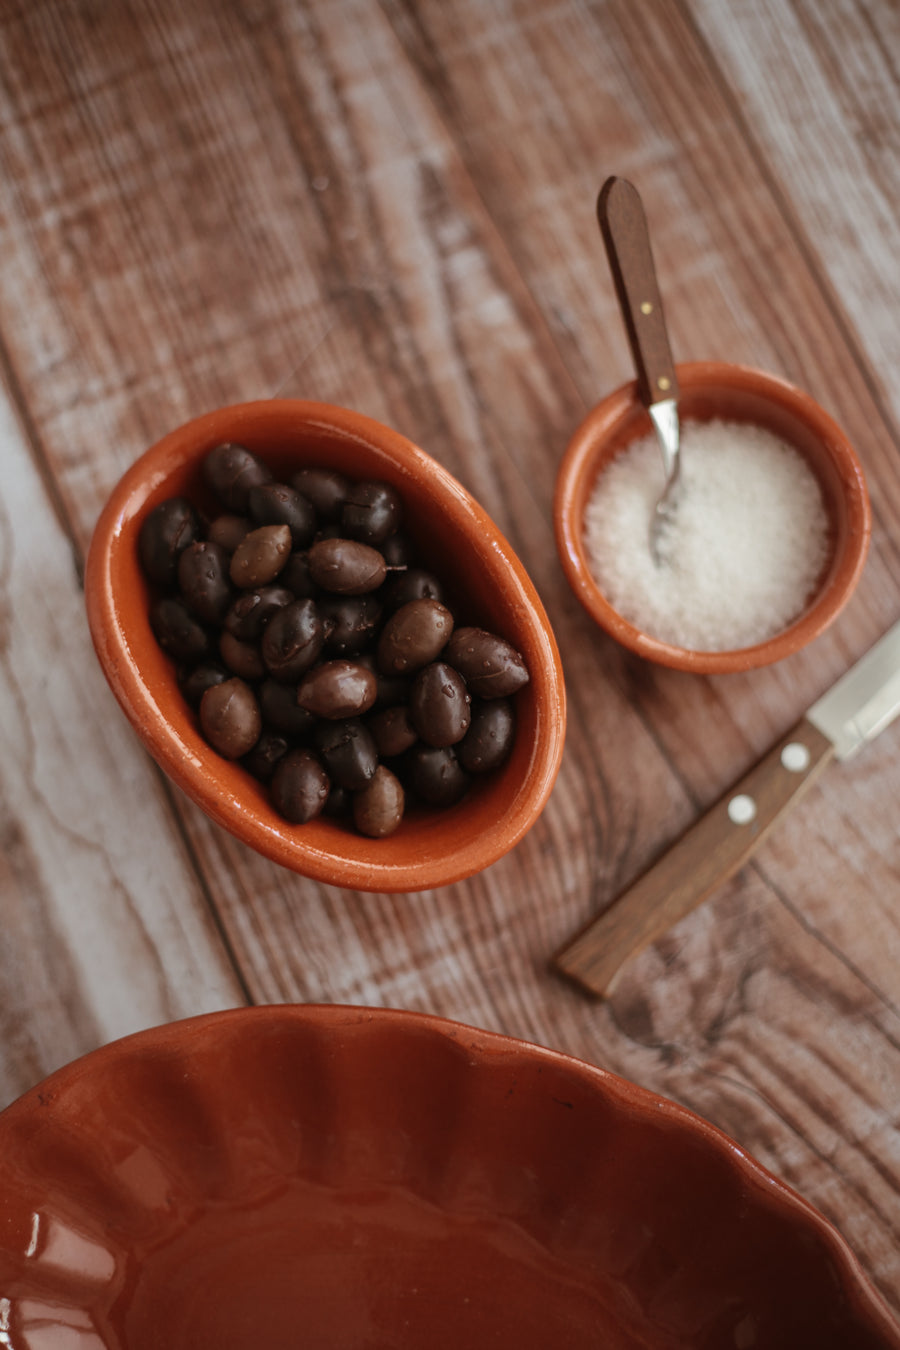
{"points": [[627, 239]]}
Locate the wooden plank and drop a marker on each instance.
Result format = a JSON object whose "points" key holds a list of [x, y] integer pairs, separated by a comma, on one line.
{"points": [[105, 927]]}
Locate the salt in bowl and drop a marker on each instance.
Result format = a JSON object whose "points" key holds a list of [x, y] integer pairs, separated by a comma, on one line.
{"points": [[731, 393]]}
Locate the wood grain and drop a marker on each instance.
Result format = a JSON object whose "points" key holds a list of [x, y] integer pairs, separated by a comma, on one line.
{"points": [[391, 205]]}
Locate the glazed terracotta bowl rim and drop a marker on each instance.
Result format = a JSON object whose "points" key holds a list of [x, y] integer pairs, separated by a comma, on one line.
{"points": [[194, 767], [604, 419], [490, 1048]]}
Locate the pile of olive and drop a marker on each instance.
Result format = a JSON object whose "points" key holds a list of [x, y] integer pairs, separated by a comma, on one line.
{"points": [[315, 649]]}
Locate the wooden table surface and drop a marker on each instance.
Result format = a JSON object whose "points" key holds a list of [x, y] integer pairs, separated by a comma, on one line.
{"points": [[389, 204]]}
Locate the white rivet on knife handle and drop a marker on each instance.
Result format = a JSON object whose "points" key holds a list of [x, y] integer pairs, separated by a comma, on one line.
{"points": [[741, 809], [795, 757]]}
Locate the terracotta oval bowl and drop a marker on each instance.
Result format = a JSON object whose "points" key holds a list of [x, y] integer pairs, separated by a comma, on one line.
{"points": [[487, 586], [734, 393], [339, 1177]]}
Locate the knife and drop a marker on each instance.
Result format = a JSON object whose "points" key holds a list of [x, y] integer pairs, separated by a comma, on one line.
{"points": [[863, 702]]}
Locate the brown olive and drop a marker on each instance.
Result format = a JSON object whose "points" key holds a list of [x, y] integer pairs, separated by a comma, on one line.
{"points": [[231, 471], [295, 576], [260, 556], [263, 759], [349, 622], [489, 740], [228, 531], [371, 512], [414, 583], [252, 610], [178, 631], [488, 664], [435, 775], [195, 681], [414, 636], [393, 731], [230, 718], [241, 658], [278, 504], [164, 535], [348, 752], [346, 566], [337, 689], [280, 710], [439, 704], [338, 802], [378, 807], [292, 640], [300, 786], [398, 551], [203, 581], [325, 488]]}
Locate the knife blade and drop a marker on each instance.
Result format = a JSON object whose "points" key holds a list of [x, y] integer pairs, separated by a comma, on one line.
{"points": [[864, 701]]}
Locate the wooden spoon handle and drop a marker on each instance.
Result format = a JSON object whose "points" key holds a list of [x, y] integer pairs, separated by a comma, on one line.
{"points": [[627, 239], [710, 852]]}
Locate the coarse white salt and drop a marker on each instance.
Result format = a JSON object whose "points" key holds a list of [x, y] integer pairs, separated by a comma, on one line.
{"points": [[742, 553]]}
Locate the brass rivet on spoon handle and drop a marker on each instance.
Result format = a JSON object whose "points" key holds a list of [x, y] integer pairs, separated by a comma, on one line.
{"points": [[626, 236]]}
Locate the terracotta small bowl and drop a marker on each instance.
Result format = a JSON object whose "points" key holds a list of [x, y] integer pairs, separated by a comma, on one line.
{"points": [[486, 584], [339, 1177], [734, 393]]}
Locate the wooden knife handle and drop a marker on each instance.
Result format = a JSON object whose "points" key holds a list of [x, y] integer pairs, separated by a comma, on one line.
{"points": [[706, 855], [627, 239]]}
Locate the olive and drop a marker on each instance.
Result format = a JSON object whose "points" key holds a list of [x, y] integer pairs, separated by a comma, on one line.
{"points": [[231, 471], [378, 807], [346, 566], [413, 636], [260, 556], [203, 581], [178, 631], [337, 803], [241, 658], [349, 622], [348, 752], [415, 583], [371, 512], [337, 689], [195, 681], [230, 718], [299, 786], [439, 704], [489, 740], [252, 610], [393, 731], [295, 576], [280, 710], [278, 504], [325, 488], [488, 664], [228, 531], [263, 759], [164, 535], [292, 640], [435, 775], [398, 551]]}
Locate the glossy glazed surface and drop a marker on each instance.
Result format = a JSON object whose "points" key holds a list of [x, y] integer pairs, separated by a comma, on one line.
{"points": [[341, 1177], [484, 579], [736, 393]]}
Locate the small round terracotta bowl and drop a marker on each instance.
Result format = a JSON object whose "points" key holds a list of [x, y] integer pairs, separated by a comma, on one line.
{"points": [[486, 584], [716, 390], [338, 1177]]}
